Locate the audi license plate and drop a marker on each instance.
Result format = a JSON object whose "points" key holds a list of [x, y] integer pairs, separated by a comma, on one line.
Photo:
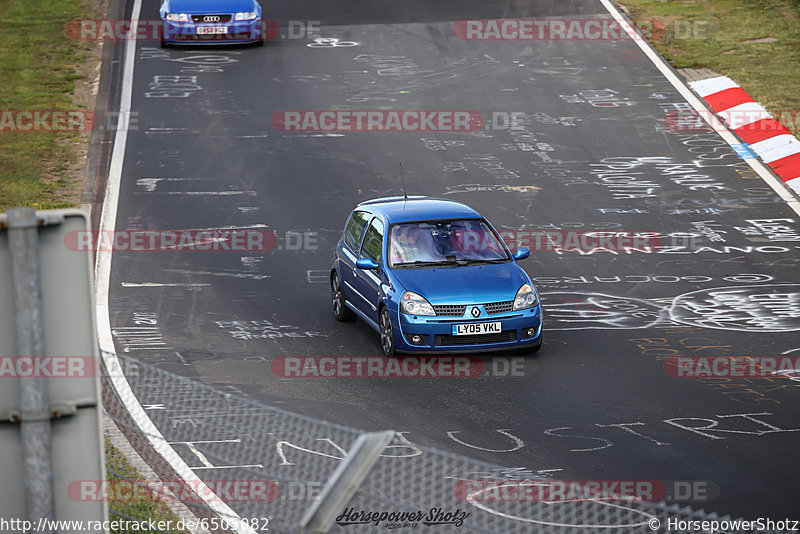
{"points": [[476, 328], [211, 30]]}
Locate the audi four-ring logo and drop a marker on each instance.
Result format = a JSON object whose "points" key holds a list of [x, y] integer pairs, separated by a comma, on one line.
{"points": [[211, 18]]}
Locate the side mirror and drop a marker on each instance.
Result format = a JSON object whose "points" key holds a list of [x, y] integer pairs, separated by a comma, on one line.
{"points": [[366, 263], [522, 253]]}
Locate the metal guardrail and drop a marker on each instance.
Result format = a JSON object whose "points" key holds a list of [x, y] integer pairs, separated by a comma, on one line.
{"points": [[225, 438]]}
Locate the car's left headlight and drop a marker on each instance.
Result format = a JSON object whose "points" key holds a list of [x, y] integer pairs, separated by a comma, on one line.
{"points": [[415, 304], [246, 15], [526, 298], [177, 17]]}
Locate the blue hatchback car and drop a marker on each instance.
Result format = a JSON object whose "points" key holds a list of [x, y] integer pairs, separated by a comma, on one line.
{"points": [[211, 21], [432, 275]]}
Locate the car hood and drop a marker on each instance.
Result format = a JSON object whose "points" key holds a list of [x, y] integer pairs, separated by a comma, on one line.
{"points": [[472, 284], [210, 6]]}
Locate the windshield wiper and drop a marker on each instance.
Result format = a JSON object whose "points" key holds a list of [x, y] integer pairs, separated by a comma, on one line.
{"points": [[452, 260], [437, 262], [494, 260]]}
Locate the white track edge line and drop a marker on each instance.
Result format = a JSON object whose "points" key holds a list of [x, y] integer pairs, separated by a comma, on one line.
{"points": [[102, 277], [754, 163]]}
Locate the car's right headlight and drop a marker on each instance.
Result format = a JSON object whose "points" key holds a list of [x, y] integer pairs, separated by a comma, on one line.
{"points": [[414, 304], [246, 15], [178, 17], [526, 298]]}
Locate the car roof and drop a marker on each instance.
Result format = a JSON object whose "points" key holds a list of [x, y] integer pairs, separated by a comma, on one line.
{"points": [[418, 208], [212, 6]]}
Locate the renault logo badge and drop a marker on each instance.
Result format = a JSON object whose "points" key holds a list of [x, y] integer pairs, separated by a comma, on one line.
{"points": [[475, 311]]}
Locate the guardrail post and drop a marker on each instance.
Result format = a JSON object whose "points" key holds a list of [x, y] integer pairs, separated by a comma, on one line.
{"points": [[34, 398], [345, 481]]}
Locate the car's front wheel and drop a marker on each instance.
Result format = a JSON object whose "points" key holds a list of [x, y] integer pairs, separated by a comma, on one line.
{"points": [[340, 309], [387, 336]]}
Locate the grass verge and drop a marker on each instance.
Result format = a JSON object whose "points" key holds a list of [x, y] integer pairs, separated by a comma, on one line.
{"points": [[39, 67], [120, 470], [754, 42]]}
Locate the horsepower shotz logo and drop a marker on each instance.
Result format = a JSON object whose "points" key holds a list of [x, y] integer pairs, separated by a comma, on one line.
{"points": [[434, 516], [376, 121]]}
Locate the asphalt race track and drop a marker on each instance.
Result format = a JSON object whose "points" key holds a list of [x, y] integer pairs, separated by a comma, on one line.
{"points": [[593, 153]]}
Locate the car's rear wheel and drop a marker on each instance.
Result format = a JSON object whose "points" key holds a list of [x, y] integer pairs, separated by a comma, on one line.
{"points": [[387, 336], [340, 309]]}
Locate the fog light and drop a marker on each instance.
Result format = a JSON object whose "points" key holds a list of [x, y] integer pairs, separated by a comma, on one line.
{"points": [[530, 332], [416, 339]]}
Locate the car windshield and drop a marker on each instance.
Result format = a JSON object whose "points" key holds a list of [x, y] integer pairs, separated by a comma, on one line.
{"points": [[453, 242]]}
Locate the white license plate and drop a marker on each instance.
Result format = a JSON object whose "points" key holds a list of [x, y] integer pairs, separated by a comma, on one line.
{"points": [[477, 328], [211, 30]]}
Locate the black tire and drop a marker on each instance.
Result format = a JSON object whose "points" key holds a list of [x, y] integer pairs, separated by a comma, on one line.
{"points": [[387, 336], [340, 309]]}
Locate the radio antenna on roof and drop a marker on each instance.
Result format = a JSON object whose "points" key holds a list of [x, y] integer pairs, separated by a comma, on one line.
{"points": [[403, 178]]}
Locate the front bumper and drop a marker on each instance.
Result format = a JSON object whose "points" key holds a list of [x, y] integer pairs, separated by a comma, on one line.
{"points": [[242, 31], [437, 332]]}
